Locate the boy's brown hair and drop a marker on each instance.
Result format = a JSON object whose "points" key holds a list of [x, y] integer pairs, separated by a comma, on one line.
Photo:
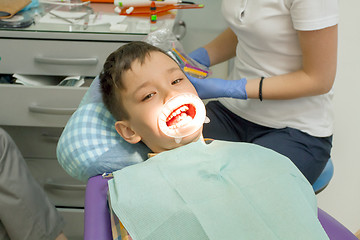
{"points": [[115, 65]]}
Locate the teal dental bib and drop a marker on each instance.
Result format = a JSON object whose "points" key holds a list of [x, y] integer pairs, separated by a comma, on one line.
{"points": [[222, 190]]}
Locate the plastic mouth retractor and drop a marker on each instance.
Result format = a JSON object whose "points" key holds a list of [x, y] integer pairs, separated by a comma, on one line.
{"points": [[181, 116]]}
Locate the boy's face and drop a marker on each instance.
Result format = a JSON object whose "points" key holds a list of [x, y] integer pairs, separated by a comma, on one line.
{"points": [[147, 88]]}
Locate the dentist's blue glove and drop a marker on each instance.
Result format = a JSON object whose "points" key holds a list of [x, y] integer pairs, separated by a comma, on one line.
{"points": [[216, 87], [201, 56]]}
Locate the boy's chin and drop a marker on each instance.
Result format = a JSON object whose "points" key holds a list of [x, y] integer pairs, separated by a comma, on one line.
{"points": [[188, 139], [172, 143]]}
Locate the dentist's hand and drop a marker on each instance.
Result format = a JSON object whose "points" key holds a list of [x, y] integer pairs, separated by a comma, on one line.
{"points": [[201, 56], [216, 87]]}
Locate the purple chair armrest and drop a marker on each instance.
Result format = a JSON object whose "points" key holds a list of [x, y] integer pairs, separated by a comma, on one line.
{"points": [[334, 229], [96, 217]]}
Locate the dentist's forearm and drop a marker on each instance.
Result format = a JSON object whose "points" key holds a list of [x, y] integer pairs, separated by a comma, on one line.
{"points": [[288, 86]]}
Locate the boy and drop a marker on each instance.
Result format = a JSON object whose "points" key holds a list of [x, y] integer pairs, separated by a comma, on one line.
{"points": [[191, 190]]}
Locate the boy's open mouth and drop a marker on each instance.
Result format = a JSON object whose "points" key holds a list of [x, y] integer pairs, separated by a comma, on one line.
{"points": [[181, 116]]}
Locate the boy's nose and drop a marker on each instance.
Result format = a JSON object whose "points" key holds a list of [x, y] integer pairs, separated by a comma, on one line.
{"points": [[170, 94]]}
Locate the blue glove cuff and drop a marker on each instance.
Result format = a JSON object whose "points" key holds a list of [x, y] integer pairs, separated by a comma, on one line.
{"points": [[217, 88], [236, 89], [201, 56]]}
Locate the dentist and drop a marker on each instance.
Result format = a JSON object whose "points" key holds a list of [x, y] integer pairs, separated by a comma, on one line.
{"points": [[279, 91]]}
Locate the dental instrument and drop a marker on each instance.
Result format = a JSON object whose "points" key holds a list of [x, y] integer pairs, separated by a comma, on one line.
{"points": [[141, 7], [133, 3]]}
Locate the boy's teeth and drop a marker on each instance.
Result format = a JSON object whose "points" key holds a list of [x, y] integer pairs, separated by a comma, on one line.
{"points": [[178, 111], [181, 116], [184, 120]]}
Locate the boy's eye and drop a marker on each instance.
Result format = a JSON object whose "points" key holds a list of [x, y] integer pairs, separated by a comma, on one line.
{"points": [[176, 81], [150, 95]]}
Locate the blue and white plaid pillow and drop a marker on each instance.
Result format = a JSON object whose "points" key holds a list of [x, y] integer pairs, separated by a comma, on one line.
{"points": [[90, 145]]}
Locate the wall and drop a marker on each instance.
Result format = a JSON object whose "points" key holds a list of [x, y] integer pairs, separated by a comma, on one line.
{"points": [[202, 26], [341, 198]]}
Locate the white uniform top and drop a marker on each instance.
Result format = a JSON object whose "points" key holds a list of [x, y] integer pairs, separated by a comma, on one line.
{"points": [[268, 45]]}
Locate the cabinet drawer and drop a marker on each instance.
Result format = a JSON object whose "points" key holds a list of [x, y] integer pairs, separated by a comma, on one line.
{"points": [[38, 146], [49, 57], [35, 142], [62, 189], [74, 223], [38, 106]]}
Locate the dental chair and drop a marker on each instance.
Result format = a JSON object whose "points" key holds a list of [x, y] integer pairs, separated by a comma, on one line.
{"points": [[89, 146]]}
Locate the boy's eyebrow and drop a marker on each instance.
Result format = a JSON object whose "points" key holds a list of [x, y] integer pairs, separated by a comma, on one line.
{"points": [[173, 69], [141, 86]]}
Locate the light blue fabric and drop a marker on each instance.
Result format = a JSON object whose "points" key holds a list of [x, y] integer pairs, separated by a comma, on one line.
{"points": [[90, 145], [223, 190]]}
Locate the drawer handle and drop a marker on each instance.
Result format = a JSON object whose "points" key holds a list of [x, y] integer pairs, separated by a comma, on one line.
{"points": [[50, 110], [67, 187], [66, 61], [50, 138]]}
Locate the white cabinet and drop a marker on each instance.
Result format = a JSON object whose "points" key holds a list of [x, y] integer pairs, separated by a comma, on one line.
{"points": [[36, 116], [76, 219], [59, 57], [36, 134], [38, 106]]}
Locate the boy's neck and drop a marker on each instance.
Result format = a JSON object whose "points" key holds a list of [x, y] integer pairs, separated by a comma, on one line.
{"points": [[201, 138]]}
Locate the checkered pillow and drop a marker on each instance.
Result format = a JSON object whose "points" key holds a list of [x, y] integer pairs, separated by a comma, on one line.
{"points": [[90, 145]]}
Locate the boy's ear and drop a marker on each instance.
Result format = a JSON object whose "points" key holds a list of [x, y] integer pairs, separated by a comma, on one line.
{"points": [[125, 131]]}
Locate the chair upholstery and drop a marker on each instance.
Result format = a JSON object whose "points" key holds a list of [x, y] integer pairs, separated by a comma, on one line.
{"points": [[334, 229], [97, 216]]}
